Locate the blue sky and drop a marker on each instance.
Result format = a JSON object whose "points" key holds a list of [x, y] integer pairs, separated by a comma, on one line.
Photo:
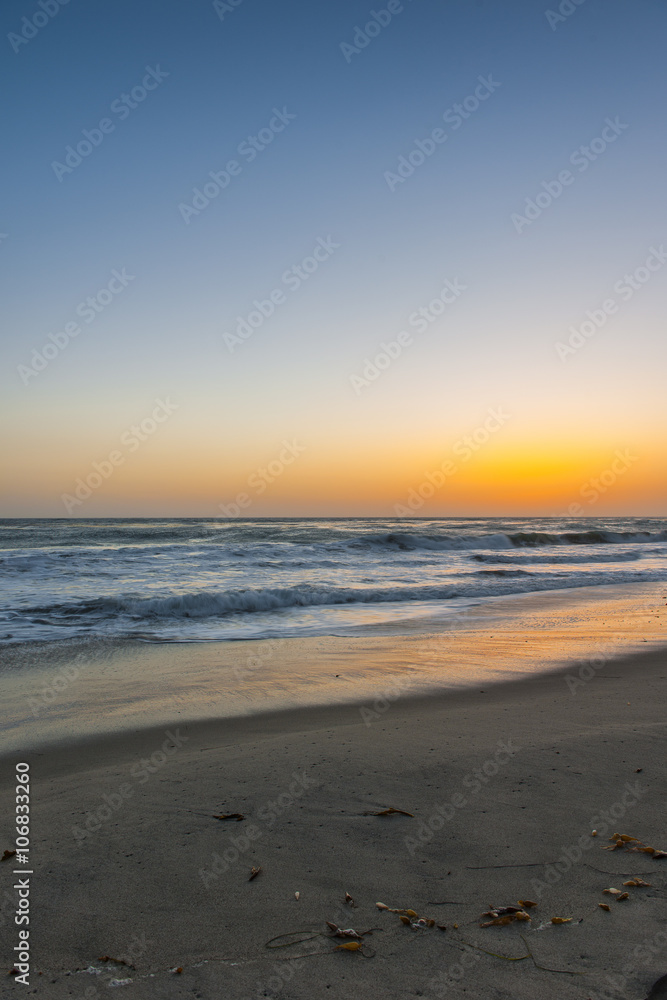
{"points": [[323, 177]]}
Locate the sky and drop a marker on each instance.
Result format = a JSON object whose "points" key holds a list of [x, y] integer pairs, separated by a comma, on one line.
{"points": [[333, 259]]}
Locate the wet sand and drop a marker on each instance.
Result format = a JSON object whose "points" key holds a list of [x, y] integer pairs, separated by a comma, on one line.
{"points": [[67, 691]]}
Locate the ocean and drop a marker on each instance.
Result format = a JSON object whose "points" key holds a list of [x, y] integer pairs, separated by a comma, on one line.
{"points": [[199, 579]]}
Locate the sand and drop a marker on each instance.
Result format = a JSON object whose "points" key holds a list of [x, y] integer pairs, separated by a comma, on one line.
{"points": [[505, 781]]}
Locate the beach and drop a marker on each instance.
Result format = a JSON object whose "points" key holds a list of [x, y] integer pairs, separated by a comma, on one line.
{"points": [[505, 780], [333, 550]]}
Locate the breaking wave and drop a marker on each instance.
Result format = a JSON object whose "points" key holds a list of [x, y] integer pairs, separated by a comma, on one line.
{"points": [[519, 539]]}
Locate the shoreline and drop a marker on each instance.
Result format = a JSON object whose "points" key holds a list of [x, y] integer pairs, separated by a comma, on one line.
{"points": [[62, 694]]}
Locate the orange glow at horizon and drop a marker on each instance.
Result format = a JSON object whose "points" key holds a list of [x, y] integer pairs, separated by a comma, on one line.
{"points": [[496, 477]]}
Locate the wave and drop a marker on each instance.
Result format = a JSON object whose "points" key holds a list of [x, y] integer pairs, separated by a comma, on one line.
{"points": [[519, 539], [503, 572], [219, 604], [207, 604], [552, 559]]}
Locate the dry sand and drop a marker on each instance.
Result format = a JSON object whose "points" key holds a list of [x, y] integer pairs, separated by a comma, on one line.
{"points": [[503, 780]]}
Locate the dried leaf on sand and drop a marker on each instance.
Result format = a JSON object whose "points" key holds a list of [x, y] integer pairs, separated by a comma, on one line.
{"points": [[624, 841], [389, 909], [390, 812], [420, 923], [339, 932], [501, 911], [237, 816], [499, 921], [502, 915], [254, 872]]}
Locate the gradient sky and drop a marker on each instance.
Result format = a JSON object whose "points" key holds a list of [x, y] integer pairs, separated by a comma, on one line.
{"points": [[323, 176]]}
